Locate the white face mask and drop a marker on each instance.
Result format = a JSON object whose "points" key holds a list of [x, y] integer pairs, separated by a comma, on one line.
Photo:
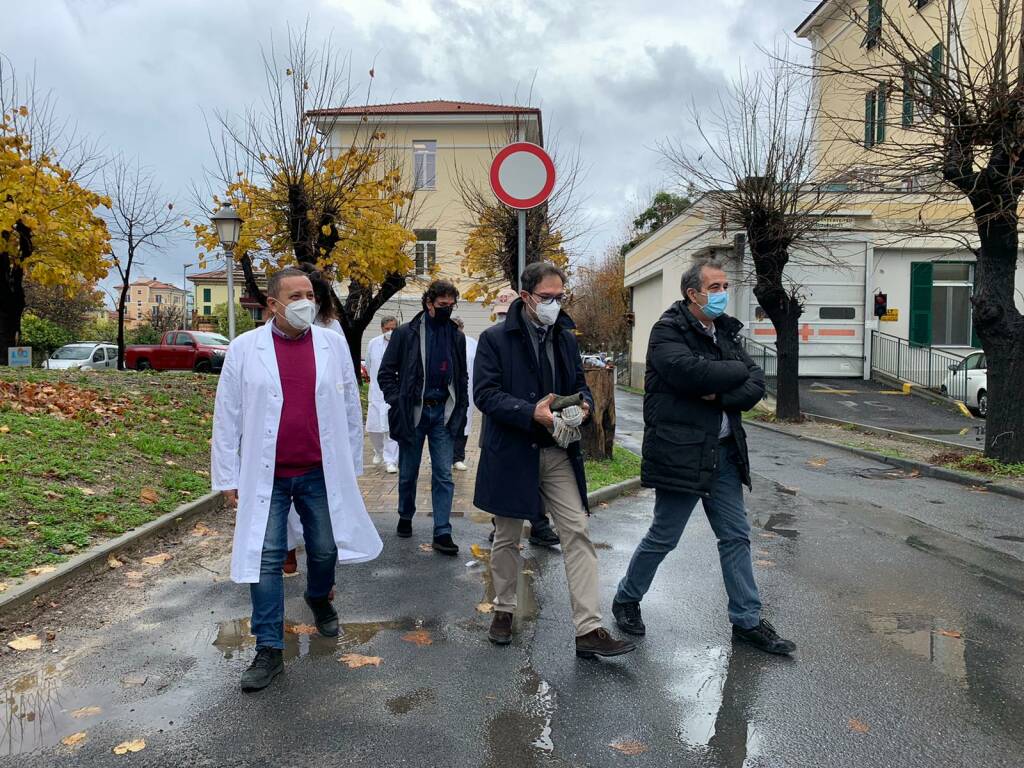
{"points": [[548, 313], [387, 335], [300, 314]]}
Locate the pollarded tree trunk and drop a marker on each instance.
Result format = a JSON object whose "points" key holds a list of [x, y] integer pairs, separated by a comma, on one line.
{"points": [[1001, 329], [598, 434], [12, 304], [784, 310]]}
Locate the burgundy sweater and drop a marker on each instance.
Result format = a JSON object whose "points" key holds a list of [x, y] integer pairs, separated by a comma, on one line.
{"points": [[298, 435]]}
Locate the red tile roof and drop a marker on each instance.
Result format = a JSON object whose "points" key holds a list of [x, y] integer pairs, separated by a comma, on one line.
{"points": [[435, 107]]}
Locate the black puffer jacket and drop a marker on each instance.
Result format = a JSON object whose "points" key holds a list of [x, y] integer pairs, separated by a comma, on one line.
{"points": [[681, 428]]}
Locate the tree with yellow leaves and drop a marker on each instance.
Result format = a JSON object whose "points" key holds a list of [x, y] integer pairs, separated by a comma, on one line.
{"points": [[303, 201], [50, 232]]}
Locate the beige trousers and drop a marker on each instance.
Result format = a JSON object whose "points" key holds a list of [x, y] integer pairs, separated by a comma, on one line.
{"points": [[565, 508]]}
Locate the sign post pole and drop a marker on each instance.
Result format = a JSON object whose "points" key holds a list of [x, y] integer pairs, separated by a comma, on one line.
{"points": [[521, 242]]}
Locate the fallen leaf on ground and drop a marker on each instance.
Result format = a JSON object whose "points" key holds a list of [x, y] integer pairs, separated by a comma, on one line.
{"points": [[300, 629], [170, 463], [426, 548], [4, 429], [418, 637], [356, 660], [134, 575], [858, 727], [113, 562], [3, 587], [164, 421], [764, 563], [791, 491], [479, 552], [763, 552], [86, 712], [39, 570], [134, 681], [950, 633], [74, 739], [202, 529], [130, 746], [149, 496], [768, 535], [977, 489], [629, 747], [26, 643], [485, 607], [86, 491], [158, 559], [817, 461]]}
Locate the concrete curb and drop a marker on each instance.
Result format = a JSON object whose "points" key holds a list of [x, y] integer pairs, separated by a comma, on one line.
{"points": [[95, 559], [610, 492], [928, 470], [882, 431]]}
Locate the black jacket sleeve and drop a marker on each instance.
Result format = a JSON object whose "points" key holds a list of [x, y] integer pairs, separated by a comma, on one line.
{"points": [[749, 393], [387, 375], [488, 394], [687, 373], [462, 383]]}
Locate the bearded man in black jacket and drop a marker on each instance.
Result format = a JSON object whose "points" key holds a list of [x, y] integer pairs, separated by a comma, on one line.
{"points": [[698, 382]]}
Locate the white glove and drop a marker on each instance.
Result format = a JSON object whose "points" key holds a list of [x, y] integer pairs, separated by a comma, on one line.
{"points": [[564, 432], [573, 415]]}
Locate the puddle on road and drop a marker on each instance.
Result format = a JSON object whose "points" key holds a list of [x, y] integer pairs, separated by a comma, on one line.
{"points": [[925, 637], [886, 473], [522, 735], [718, 689], [403, 705], [527, 607], [235, 635]]}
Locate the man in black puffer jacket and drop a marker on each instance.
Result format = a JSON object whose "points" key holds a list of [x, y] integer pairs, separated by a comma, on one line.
{"points": [[698, 382]]}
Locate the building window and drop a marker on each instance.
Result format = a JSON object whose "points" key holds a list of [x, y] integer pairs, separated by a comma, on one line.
{"points": [[870, 104], [256, 313], [206, 309], [159, 299], [207, 295], [426, 250], [874, 30], [424, 161], [940, 304], [837, 313]]}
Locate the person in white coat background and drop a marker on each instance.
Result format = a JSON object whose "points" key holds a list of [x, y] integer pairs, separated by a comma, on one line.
{"points": [[384, 448], [287, 427], [459, 447]]}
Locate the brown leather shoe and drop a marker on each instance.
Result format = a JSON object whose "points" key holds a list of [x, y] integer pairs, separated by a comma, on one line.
{"points": [[501, 628], [291, 562], [601, 643]]}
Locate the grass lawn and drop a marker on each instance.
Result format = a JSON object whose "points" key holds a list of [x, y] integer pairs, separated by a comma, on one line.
{"points": [[85, 456], [634, 390], [622, 466]]}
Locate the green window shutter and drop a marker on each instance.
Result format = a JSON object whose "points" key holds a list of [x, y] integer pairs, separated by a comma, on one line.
{"points": [[937, 62], [883, 97], [908, 99], [921, 303], [874, 23], [869, 119]]}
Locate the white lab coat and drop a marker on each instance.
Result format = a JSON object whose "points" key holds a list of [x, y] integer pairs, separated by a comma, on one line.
{"points": [[377, 409], [470, 357], [246, 418]]}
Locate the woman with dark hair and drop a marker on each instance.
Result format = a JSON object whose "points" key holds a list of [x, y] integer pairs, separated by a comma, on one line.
{"points": [[325, 318]]}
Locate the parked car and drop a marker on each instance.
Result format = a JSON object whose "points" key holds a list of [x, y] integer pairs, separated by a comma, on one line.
{"points": [[83, 355], [968, 381], [198, 351], [593, 361]]}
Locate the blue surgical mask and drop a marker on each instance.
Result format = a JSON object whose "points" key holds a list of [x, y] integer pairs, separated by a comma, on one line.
{"points": [[716, 305]]}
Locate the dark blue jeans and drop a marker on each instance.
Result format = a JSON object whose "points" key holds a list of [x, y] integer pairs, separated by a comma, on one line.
{"points": [[728, 518], [410, 453], [309, 494]]}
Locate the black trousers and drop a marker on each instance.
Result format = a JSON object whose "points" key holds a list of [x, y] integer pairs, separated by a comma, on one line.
{"points": [[459, 448]]}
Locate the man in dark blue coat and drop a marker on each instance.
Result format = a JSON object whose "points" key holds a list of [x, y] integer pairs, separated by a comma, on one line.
{"points": [[424, 381], [698, 383], [521, 365]]}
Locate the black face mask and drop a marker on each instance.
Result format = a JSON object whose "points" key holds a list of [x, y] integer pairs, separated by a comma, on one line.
{"points": [[442, 314]]}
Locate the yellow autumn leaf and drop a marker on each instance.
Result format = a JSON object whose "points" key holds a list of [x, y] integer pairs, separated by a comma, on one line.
{"points": [[479, 552], [113, 562], [630, 747], [26, 643], [485, 607], [130, 746], [86, 712], [418, 637], [41, 570], [158, 559], [300, 629], [149, 496], [74, 739], [356, 660], [4, 429], [858, 727]]}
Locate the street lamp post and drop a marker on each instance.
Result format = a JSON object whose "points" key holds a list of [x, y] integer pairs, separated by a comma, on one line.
{"points": [[184, 299], [229, 226]]}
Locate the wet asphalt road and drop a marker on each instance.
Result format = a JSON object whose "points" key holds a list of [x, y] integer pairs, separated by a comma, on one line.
{"points": [[911, 648]]}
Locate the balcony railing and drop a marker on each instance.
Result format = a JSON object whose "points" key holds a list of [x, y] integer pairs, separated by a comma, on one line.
{"points": [[924, 366]]}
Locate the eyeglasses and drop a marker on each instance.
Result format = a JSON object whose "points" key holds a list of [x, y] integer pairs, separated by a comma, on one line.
{"points": [[548, 299]]}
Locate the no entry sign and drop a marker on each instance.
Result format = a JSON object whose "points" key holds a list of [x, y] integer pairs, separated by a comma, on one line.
{"points": [[522, 175]]}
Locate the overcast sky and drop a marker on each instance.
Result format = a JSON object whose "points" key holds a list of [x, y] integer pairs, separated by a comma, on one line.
{"points": [[615, 77]]}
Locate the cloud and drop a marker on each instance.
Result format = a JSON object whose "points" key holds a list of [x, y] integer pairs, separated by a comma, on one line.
{"points": [[613, 77]]}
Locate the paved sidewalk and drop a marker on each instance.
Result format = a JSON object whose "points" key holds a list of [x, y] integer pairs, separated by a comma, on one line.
{"points": [[380, 490]]}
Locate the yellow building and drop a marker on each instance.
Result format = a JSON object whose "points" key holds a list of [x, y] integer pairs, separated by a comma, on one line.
{"points": [[149, 297], [440, 145], [210, 290]]}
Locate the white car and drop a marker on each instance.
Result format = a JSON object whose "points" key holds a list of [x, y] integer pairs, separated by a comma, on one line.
{"points": [[967, 381], [87, 355]]}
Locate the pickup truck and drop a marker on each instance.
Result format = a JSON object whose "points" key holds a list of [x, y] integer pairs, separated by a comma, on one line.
{"points": [[179, 351]]}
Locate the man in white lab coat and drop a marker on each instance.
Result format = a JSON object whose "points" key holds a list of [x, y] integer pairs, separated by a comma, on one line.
{"points": [[384, 448], [287, 428]]}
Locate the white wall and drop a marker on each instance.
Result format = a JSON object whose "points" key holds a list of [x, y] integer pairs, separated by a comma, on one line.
{"points": [[648, 305]]}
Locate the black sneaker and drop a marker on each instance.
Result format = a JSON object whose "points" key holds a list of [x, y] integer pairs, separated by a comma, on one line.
{"points": [[324, 615], [627, 616], [545, 537], [764, 637], [445, 545], [404, 528], [267, 665]]}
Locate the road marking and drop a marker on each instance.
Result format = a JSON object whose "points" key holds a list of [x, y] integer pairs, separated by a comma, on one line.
{"points": [[964, 410]]}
